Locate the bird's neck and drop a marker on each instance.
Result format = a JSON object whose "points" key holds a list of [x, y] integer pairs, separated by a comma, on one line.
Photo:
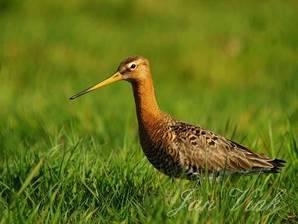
{"points": [[147, 109]]}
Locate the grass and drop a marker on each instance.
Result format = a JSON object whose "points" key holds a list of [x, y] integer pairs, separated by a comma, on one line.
{"points": [[229, 67]]}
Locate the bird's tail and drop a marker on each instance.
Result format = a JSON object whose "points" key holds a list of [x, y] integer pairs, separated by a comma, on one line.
{"points": [[265, 166], [277, 165]]}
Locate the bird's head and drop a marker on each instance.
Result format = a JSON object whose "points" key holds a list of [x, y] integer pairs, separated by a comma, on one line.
{"points": [[132, 69]]}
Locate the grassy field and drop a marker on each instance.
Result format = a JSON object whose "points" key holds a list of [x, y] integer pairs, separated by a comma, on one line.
{"points": [[226, 66]]}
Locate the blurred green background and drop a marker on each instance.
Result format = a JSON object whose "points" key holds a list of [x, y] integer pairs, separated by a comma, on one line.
{"points": [[205, 57], [228, 66]]}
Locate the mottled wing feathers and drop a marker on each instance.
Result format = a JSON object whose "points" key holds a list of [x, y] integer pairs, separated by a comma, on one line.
{"points": [[201, 150]]}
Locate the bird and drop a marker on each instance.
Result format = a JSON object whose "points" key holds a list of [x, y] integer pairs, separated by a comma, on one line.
{"points": [[176, 148]]}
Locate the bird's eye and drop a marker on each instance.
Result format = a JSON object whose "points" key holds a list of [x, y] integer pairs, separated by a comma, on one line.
{"points": [[132, 66]]}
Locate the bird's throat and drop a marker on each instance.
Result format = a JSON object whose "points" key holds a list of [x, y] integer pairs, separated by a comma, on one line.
{"points": [[147, 109]]}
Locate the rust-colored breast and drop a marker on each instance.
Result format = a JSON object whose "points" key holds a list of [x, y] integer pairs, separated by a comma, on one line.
{"points": [[158, 143]]}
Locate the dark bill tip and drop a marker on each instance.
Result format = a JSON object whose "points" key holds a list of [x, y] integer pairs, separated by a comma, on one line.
{"points": [[79, 94]]}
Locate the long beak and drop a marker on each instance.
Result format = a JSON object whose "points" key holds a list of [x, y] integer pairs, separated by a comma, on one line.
{"points": [[114, 78]]}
